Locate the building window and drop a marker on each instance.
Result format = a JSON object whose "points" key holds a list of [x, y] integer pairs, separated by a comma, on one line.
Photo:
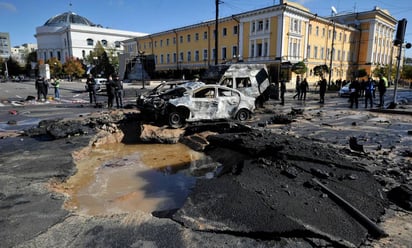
{"points": [[235, 30], [174, 58], [189, 56], [174, 40], [323, 32], [168, 58], [315, 52], [267, 25], [224, 31], [51, 54], [161, 59], [181, 39], [205, 35], [322, 53], [161, 43], [295, 26], [197, 36], [253, 27], [90, 42], [308, 52], [260, 26], [188, 38], [234, 51], [205, 54], [197, 56], [224, 55], [59, 56], [104, 43], [83, 54], [317, 31], [252, 50], [310, 29], [117, 44], [181, 56]]}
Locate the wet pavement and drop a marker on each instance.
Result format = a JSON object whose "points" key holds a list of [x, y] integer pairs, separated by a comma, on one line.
{"points": [[264, 196]]}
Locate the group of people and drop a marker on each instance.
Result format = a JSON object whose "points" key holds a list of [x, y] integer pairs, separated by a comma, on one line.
{"points": [[114, 88], [42, 87], [356, 88], [368, 89], [301, 88]]}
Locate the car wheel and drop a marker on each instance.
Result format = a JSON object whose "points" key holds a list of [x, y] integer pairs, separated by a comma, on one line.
{"points": [[242, 115], [176, 120]]}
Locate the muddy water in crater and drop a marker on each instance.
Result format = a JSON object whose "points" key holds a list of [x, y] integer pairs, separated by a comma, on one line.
{"points": [[118, 178]]}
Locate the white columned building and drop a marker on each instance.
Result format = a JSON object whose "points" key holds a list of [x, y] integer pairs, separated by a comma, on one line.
{"points": [[70, 35]]}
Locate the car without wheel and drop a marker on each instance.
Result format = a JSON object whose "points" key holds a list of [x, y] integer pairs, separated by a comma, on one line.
{"points": [[196, 101]]}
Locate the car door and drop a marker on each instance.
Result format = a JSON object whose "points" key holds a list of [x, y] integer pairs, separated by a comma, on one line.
{"points": [[228, 103], [204, 104]]}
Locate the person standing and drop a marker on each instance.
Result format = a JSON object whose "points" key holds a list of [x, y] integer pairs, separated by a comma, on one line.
{"points": [[354, 88], [56, 84], [297, 87], [282, 92], [118, 87], [110, 87], [304, 87], [40, 85], [369, 89], [382, 85], [322, 90], [91, 88]]}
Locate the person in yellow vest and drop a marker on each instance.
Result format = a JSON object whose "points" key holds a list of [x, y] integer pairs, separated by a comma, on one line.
{"points": [[382, 85], [56, 85]]}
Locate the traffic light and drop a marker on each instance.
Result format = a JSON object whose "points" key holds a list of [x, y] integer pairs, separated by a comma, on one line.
{"points": [[400, 32]]}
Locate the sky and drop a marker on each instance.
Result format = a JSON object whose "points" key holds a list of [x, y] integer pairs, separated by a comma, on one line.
{"points": [[21, 17]]}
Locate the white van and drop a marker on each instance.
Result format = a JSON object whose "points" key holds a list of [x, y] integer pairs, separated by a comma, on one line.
{"points": [[250, 79]]}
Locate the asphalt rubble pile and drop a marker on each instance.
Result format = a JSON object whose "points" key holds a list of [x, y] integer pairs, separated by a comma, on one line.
{"points": [[273, 190]]}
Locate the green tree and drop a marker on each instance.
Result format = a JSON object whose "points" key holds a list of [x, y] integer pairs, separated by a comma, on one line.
{"points": [[299, 68], [320, 70], [407, 72], [30, 58], [73, 68], [13, 67], [56, 67], [102, 61]]}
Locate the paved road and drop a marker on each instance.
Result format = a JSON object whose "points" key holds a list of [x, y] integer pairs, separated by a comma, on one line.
{"points": [[15, 110], [75, 101]]}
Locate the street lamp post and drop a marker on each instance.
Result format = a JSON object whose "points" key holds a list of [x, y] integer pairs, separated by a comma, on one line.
{"points": [[333, 40]]}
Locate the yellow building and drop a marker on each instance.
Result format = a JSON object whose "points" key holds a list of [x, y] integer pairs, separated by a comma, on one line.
{"points": [[275, 35]]}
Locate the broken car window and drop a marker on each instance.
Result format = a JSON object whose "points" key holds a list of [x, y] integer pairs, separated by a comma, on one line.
{"points": [[205, 93], [243, 82]]}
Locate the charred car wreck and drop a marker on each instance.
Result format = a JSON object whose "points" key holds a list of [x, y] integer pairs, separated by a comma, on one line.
{"points": [[196, 101]]}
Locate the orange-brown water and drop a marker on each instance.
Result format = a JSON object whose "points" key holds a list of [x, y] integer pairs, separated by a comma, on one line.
{"points": [[119, 178]]}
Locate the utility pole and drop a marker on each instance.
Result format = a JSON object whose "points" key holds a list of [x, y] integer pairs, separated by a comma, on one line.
{"points": [[333, 40], [217, 2]]}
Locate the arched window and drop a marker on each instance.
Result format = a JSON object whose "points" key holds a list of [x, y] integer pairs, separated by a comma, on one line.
{"points": [[90, 42], [117, 44], [104, 43]]}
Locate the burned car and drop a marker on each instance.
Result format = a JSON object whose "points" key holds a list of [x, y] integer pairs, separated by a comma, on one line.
{"points": [[196, 101]]}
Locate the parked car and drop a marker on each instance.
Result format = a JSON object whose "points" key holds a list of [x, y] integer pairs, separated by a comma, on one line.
{"points": [[344, 91], [196, 101], [100, 84]]}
